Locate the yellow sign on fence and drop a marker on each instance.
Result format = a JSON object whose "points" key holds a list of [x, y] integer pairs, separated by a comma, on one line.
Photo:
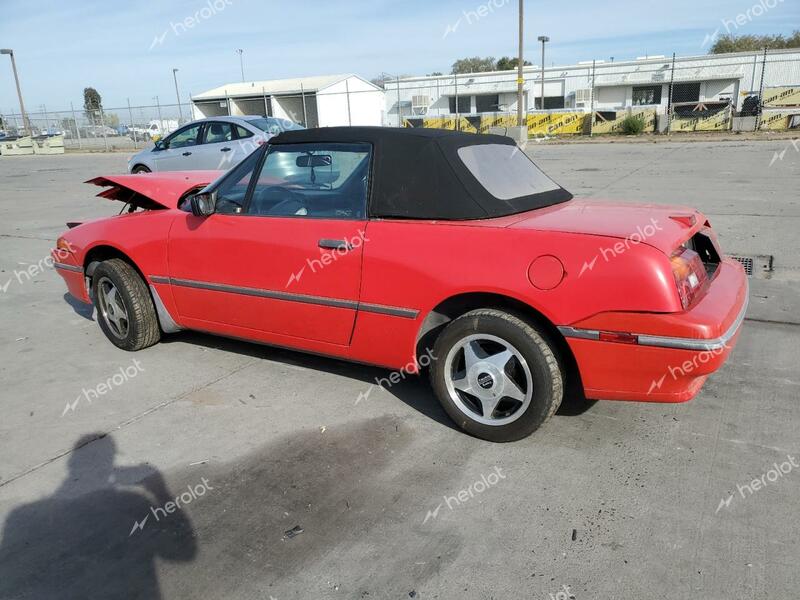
{"points": [[602, 124], [777, 119], [538, 124], [717, 121], [556, 123], [782, 96]]}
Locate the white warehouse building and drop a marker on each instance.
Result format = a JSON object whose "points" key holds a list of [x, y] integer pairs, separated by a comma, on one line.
{"points": [[323, 101], [595, 85]]}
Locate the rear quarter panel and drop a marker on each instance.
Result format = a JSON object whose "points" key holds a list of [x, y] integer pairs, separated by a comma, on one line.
{"points": [[419, 264]]}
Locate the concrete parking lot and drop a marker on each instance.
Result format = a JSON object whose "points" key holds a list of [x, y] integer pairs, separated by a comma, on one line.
{"points": [[608, 500]]}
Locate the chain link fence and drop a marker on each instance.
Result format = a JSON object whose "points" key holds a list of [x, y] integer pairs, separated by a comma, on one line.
{"points": [[740, 92], [105, 129], [743, 92]]}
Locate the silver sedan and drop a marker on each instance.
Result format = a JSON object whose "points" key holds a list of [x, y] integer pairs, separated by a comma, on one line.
{"points": [[215, 143]]}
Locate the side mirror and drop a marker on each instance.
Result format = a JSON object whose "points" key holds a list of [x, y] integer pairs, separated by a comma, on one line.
{"points": [[160, 145], [204, 204]]}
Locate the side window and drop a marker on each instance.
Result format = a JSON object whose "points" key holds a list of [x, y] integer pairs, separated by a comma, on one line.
{"points": [[184, 137], [325, 180], [232, 191], [242, 133], [217, 132]]}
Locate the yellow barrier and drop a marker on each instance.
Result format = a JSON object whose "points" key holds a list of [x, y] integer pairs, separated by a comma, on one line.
{"points": [[600, 124], [556, 123], [504, 121], [782, 96], [718, 121], [776, 120], [538, 124]]}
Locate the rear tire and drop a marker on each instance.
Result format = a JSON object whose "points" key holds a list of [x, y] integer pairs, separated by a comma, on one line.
{"points": [[496, 375], [125, 310]]}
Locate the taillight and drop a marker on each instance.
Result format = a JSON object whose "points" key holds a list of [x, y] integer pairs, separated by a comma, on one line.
{"points": [[689, 273]]}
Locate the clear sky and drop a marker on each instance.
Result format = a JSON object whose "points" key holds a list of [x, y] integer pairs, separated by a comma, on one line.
{"points": [[127, 48]]}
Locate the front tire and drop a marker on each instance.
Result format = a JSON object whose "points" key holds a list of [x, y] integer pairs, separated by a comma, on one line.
{"points": [[140, 169], [496, 375], [125, 309]]}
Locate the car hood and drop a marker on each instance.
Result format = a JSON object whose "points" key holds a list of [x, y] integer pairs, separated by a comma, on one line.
{"points": [[153, 191], [661, 226]]}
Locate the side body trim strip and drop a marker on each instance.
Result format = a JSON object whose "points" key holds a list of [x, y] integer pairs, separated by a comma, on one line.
{"points": [[394, 311], [65, 267]]}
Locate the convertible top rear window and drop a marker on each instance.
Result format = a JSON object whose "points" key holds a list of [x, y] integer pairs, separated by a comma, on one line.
{"points": [[505, 171]]}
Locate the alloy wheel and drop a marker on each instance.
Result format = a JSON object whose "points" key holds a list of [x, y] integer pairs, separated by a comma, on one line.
{"points": [[488, 379], [112, 308]]}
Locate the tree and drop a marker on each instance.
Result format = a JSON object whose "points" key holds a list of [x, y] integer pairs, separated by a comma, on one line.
{"points": [[435, 74], [754, 43], [92, 104], [68, 124], [508, 64], [476, 64]]}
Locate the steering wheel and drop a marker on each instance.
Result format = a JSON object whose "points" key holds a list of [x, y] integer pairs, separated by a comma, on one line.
{"points": [[290, 203]]}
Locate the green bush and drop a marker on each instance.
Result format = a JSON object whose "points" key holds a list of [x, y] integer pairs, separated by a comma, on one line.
{"points": [[632, 125]]}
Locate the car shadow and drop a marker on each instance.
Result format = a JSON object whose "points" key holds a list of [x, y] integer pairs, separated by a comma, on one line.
{"points": [[412, 390], [81, 308], [574, 404], [82, 540]]}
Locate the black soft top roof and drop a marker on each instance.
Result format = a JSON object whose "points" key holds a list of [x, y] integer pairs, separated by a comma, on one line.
{"points": [[417, 173]]}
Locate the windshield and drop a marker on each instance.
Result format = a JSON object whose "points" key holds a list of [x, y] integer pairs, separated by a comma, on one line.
{"points": [[275, 126], [314, 166]]}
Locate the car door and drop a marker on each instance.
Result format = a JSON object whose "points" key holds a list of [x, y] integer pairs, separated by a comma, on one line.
{"points": [[176, 151], [282, 253], [217, 149]]}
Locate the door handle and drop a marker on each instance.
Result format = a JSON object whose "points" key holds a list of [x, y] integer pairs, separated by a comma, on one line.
{"points": [[226, 149], [187, 154], [335, 244]]}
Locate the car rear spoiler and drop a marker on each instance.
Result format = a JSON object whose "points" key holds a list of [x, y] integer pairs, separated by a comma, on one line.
{"points": [[153, 191]]}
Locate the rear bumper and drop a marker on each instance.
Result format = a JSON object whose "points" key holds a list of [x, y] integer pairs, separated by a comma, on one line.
{"points": [[674, 353]]}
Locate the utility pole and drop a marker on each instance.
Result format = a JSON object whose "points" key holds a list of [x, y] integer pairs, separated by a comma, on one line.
{"points": [[241, 62], [520, 78], [177, 95], [384, 76], [544, 39], [26, 124]]}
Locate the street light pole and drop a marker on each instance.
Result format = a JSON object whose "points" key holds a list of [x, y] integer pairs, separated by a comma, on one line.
{"points": [[241, 62], [544, 39], [25, 121], [177, 95], [520, 78]]}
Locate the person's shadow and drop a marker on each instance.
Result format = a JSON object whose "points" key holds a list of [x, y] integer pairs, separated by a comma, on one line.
{"points": [[97, 536]]}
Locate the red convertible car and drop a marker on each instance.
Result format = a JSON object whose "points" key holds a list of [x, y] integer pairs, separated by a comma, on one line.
{"points": [[390, 246]]}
